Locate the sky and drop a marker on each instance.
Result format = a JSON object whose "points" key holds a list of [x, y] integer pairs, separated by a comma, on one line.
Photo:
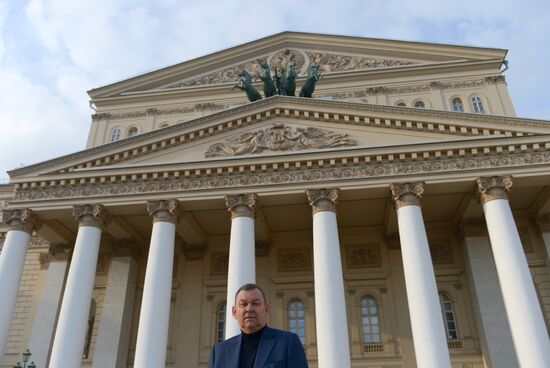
{"points": [[53, 51]]}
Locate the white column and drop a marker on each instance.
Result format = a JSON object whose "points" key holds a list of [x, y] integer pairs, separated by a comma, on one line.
{"points": [[242, 257], [113, 337], [152, 338], [430, 342], [497, 345], [522, 306], [70, 334], [21, 223], [330, 300], [43, 325]]}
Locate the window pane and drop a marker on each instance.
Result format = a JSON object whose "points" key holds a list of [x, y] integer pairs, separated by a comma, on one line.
{"points": [[448, 316], [221, 322], [370, 321], [296, 319]]}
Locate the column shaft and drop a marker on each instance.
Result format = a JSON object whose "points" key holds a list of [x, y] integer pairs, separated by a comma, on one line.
{"points": [[12, 261], [430, 342], [111, 349], [522, 306], [330, 305], [73, 318], [241, 268], [154, 319], [43, 326], [497, 345], [242, 256]]}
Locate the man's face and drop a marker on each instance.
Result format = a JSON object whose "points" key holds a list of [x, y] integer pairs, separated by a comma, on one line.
{"points": [[250, 310]]}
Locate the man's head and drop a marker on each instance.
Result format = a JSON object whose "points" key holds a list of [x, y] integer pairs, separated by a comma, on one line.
{"points": [[251, 309]]}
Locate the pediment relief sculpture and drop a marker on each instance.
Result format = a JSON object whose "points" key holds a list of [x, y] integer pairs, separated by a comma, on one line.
{"points": [[301, 60], [279, 137]]}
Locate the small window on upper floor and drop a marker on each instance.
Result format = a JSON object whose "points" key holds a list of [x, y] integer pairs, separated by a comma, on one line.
{"points": [[115, 135], [457, 104], [420, 105], [449, 319], [477, 105], [370, 321], [133, 131], [401, 104], [220, 322], [296, 319]]}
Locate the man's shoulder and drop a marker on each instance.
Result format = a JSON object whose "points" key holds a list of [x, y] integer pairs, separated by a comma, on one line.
{"points": [[281, 333], [228, 342]]}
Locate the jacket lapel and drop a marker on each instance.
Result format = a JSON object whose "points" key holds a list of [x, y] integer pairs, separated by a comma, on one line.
{"points": [[264, 349], [232, 353]]}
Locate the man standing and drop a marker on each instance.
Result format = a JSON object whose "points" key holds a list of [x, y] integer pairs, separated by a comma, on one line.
{"points": [[258, 345]]}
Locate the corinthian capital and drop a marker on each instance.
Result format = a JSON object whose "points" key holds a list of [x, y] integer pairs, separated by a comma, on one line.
{"points": [[91, 215], [164, 210], [241, 205], [493, 187], [21, 219], [406, 194], [323, 199]]}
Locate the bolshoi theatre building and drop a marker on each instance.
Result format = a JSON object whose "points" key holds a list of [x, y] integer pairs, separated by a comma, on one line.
{"points": [[397, 218]]}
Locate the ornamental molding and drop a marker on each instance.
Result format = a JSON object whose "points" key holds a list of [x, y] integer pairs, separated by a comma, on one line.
{"points": [[114, 152], [301, 58], [279, 137], [493, 187], [294, 259], [323, 199], [21, 219], [194, 252], [407, 194], [241, 205], [363, 256], [164, 210], [473, 227], [95, 215], [295, 175]]}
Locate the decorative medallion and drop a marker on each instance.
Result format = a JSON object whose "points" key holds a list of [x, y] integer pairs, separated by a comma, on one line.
{"points": [[279, 137], [219, 263], [294, 259], [363, 256]]}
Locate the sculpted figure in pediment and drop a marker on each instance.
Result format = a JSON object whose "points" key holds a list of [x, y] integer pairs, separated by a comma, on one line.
{"points": [[279, 137]]}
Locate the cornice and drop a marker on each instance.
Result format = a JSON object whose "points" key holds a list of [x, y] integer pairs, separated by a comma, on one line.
{"points": [[394, 167], [288, 107]]}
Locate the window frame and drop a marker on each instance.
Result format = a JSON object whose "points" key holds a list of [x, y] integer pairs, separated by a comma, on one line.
{"points": [[297, 318]]}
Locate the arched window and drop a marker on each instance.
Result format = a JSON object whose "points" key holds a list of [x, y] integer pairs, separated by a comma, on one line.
{"points": [[448, 316], [457, 104], [296, 319], [401, 104], [133, 131], [370, 321], [420, 105], [477, 105], [115, 135], [220, 322], [89, 331]]}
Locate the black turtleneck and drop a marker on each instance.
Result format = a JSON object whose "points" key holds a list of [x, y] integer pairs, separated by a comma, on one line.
{"points": [[249, 348]]}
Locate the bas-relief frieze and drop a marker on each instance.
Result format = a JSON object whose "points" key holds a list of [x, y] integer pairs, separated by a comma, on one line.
{"points": [[279, 137], [335, 63], [219, 263], [319, 175]]}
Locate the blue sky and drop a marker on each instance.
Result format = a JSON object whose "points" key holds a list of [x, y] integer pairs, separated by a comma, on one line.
{"points": [[53, 51]]}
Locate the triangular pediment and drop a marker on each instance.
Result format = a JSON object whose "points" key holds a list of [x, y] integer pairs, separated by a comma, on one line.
{"points": [[336, 54], [286, 126]]}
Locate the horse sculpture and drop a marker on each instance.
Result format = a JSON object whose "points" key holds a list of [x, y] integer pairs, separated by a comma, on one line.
{"points": [[245, 84], [269, 86], [290, 80], [313, 75]]}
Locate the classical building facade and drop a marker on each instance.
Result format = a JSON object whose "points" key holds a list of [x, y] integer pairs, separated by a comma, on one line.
{"points": [[400, 218]]}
